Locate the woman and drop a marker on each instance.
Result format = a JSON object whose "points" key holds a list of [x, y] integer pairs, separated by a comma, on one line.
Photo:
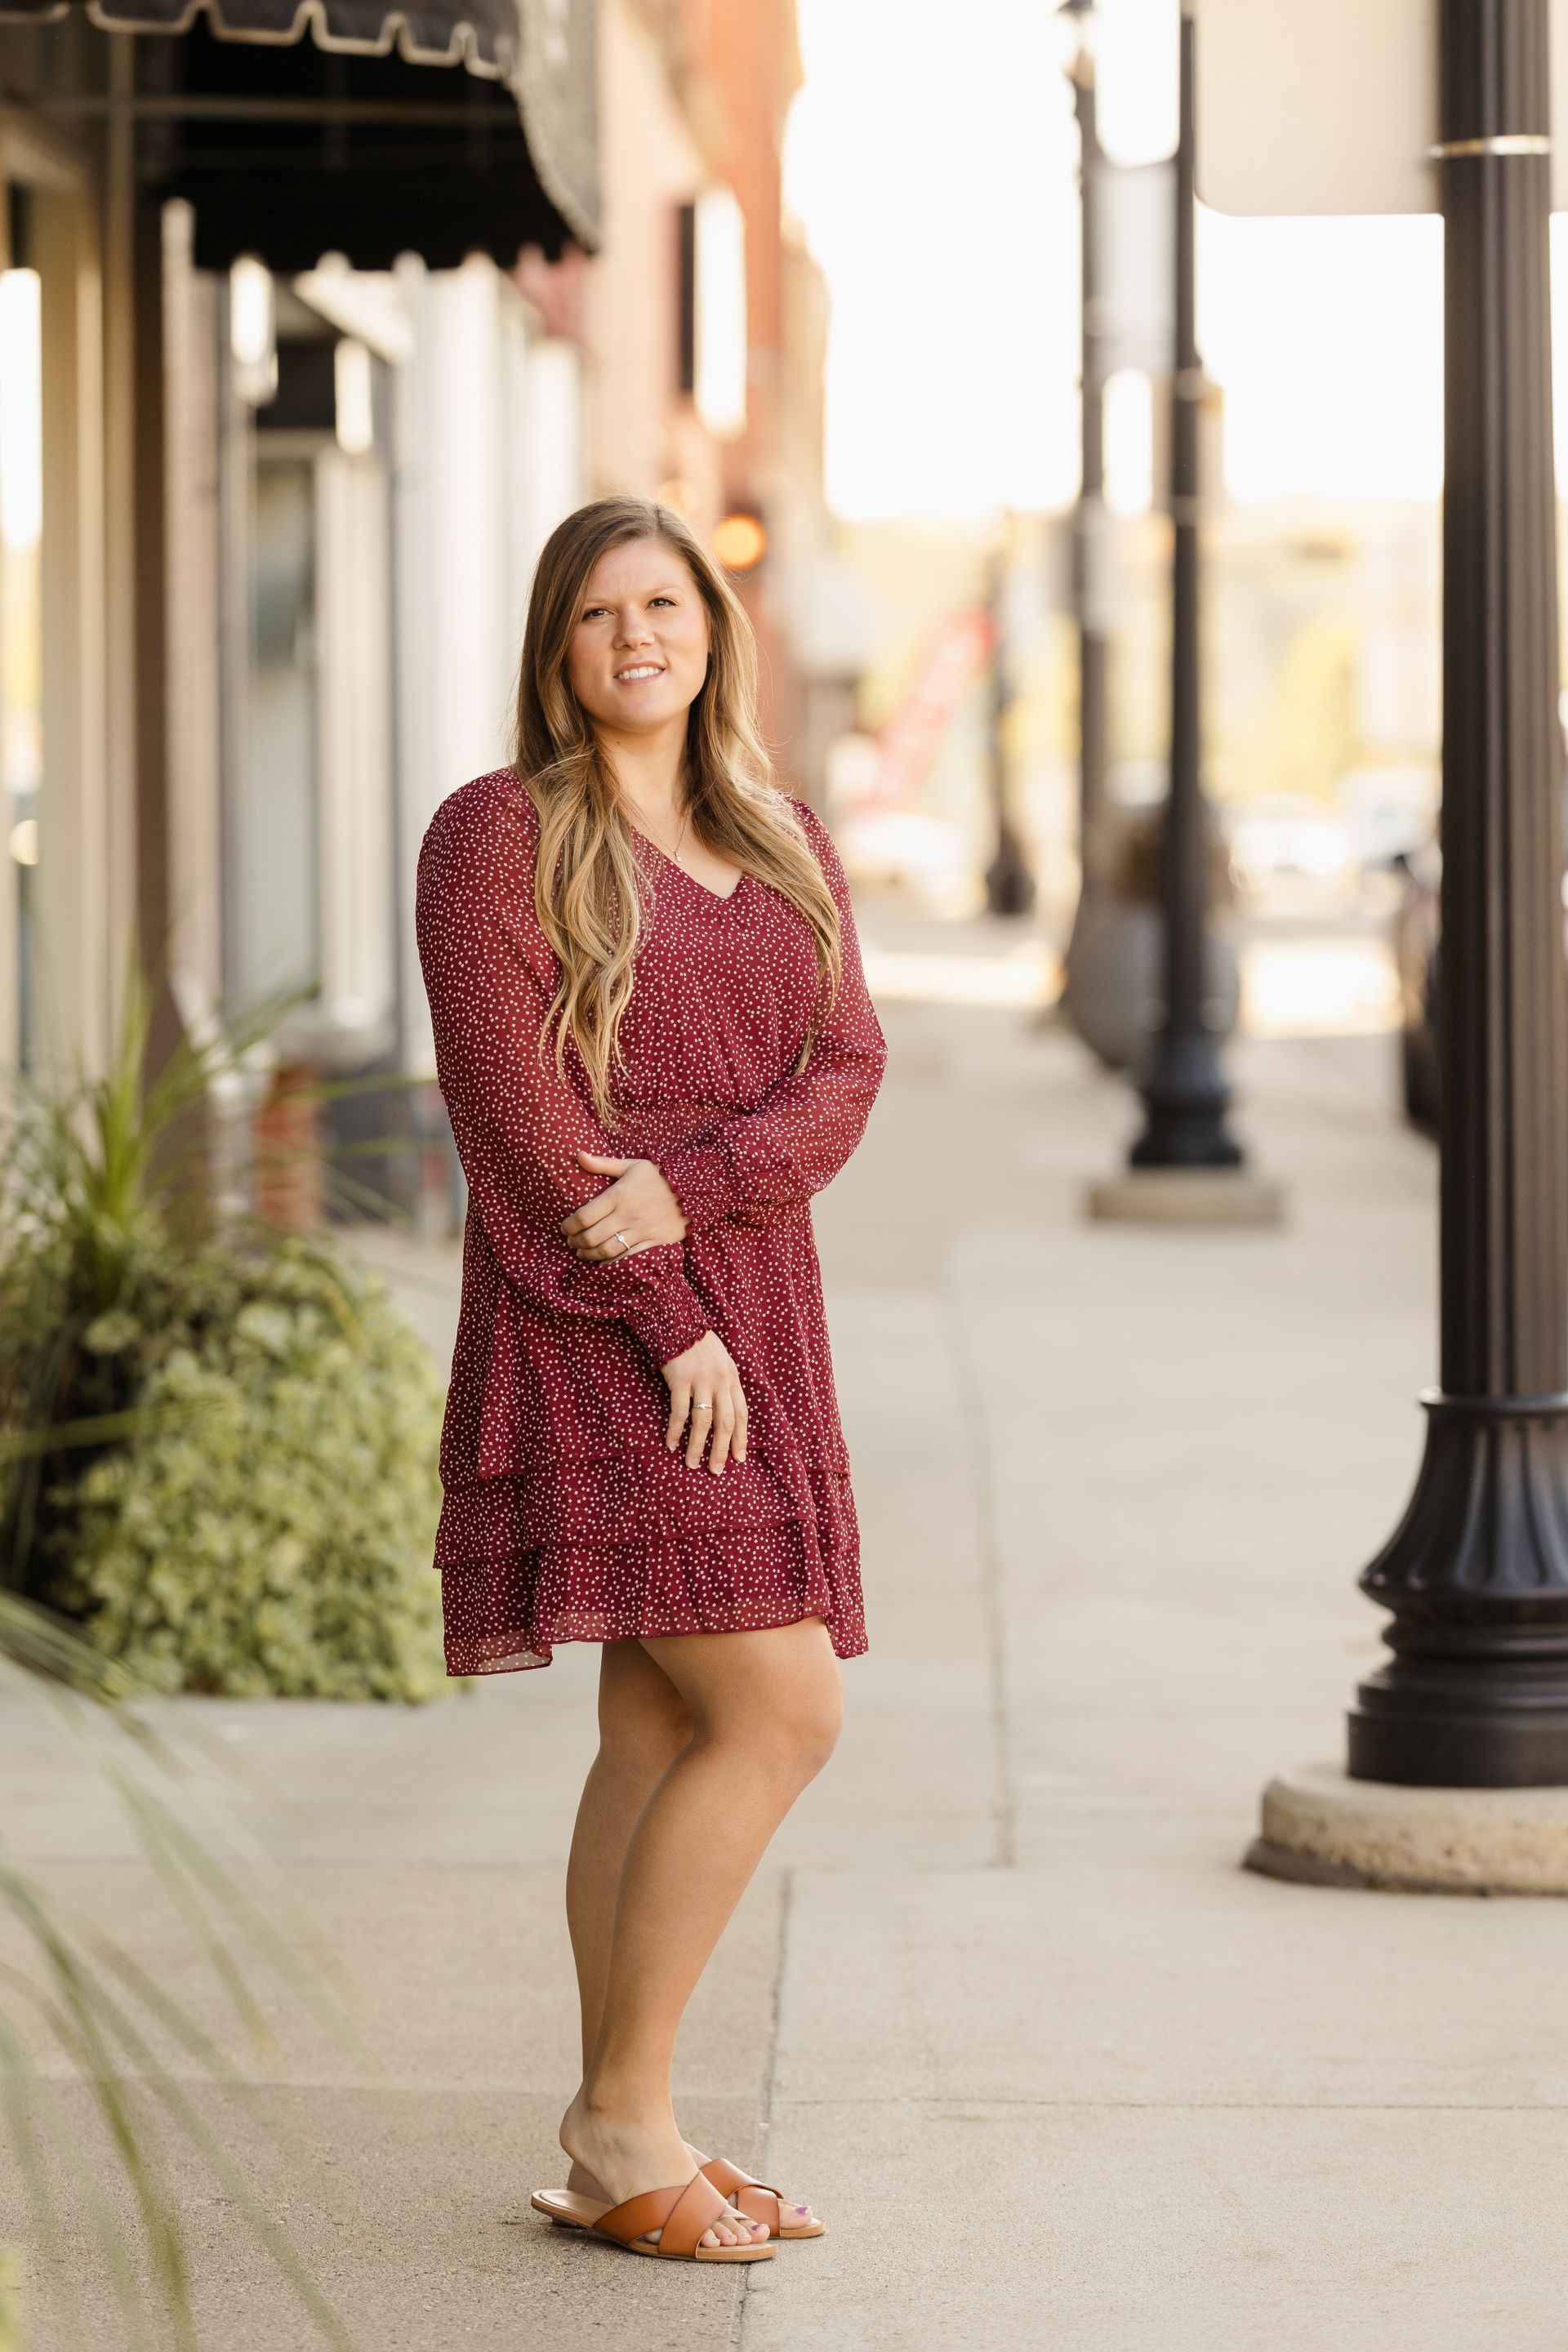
{"points": [[655, 1044]]}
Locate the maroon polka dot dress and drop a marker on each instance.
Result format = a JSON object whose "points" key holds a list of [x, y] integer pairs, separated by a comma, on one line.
{"points": [[565, 1518]]}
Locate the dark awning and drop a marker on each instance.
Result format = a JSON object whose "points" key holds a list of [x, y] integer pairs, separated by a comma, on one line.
{"points": [[301, 127], [481, 34]]}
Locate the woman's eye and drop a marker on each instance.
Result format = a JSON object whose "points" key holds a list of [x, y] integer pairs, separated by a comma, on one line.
{"points": [[661, 600]]}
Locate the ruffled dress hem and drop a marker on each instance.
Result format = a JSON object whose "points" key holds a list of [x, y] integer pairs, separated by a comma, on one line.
{"points": [[499, 1653], [506, 1615]]}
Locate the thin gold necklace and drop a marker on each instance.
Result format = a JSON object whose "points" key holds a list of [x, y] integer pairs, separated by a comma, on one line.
{"points": [[674, 855]]}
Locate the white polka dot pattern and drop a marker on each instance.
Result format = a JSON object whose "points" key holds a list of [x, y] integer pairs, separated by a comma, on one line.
{"points": [[565, 1518]]}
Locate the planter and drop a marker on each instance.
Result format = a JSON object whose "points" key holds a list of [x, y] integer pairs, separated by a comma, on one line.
{"points": [[1115, 978]]}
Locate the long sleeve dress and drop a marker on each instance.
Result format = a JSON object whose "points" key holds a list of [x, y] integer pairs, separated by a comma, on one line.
{"points": [[564, 1517]]}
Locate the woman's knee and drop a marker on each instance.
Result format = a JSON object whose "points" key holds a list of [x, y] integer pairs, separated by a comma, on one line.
{"points": [[795, 1728], [810, 1730], [773, 1697]]}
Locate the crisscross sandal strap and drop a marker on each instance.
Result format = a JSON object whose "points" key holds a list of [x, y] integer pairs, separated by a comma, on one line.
{"points": [[755, 2198], [680, 2215]]}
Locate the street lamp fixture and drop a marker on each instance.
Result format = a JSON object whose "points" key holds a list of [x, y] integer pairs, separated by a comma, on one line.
{"points": [[1186, 1096], [1475, 1692], [1470, 1707], [1080, 24], [1009, 885], [1186, 1165]]}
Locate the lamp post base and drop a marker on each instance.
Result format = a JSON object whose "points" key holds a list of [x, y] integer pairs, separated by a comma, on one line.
{"points": [[1187, 1196], [1186, 1099], [1475, 1694], [1320, 1828], [1395, 1740]]}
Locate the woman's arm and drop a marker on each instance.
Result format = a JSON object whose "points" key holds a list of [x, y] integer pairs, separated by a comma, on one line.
{"points": [[518, 1125], [807, 1125]]}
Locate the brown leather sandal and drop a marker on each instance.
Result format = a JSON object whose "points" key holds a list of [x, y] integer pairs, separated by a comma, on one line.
{"points": [[755, 2198], [680, 2215]]}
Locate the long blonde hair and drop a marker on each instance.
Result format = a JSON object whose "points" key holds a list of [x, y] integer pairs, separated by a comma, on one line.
{"points": [[589, 886]]}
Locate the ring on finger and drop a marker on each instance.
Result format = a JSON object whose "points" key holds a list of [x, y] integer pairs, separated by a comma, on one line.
{"points": [[626, 1245], [701, 1404]]}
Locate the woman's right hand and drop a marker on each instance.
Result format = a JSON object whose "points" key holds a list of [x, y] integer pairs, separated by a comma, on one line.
{"points": [[705, 1390]]}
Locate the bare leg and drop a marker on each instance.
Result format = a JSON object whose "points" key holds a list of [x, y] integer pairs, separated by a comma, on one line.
{"points": [[643, 1726], [765, 1709]]}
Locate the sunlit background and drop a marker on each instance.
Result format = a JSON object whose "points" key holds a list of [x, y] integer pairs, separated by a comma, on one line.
{"points": [[945, 219], [952, 367], [875, 417]]}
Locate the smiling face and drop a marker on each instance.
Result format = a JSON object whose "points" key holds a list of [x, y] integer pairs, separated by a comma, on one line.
{"points": [[638, 656]]}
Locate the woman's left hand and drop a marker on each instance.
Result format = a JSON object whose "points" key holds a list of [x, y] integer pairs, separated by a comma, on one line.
{"points": [[637, 1212]]}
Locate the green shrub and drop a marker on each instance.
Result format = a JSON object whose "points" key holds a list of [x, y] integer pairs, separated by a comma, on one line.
{"points": [[217, 1442], [270, 1528]]}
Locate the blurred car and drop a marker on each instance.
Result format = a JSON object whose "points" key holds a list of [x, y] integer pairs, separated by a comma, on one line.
{"points": [[1289, 837], [1417, 928], [1390, 814], [929, 856]]}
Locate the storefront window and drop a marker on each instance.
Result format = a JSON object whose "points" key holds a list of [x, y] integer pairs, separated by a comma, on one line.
{"points": [[277, 863], [21, 618]]}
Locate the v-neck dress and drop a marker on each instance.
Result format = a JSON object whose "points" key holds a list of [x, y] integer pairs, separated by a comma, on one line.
{"points": [[564, 1517]]}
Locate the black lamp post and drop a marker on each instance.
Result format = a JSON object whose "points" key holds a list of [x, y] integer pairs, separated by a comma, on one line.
{"points": [[1186, 1096], [1476, 1693], [1009, 885], [1088, 516]]}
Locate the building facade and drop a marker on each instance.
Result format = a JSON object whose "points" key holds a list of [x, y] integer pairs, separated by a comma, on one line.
{"points": [[283, 419], [304, 348], [709, 326]]}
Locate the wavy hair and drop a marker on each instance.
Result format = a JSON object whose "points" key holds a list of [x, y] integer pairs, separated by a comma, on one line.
{"points": [[590, 886]]}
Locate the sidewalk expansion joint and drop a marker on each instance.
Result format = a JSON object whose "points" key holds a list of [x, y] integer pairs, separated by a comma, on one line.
{"points": [[971, 1408], [770, 2070], [955, 2102]]}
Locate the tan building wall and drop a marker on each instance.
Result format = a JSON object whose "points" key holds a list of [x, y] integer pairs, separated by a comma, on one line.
{"points": [[695, 95], [80, 822], [646, 435]]}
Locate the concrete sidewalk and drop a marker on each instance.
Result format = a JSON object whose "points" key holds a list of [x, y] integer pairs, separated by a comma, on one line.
{"points": [[1003, 2003]]}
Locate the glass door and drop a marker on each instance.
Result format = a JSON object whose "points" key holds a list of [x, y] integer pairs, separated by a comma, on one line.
{"points": [[276, 874]]}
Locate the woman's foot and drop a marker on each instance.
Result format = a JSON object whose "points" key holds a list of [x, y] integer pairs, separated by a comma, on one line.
{"points": [[615, 2158], [581, 2178], [757, 2199]]}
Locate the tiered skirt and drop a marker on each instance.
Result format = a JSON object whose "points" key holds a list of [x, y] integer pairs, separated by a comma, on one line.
{"points": [[515, 1582]]}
